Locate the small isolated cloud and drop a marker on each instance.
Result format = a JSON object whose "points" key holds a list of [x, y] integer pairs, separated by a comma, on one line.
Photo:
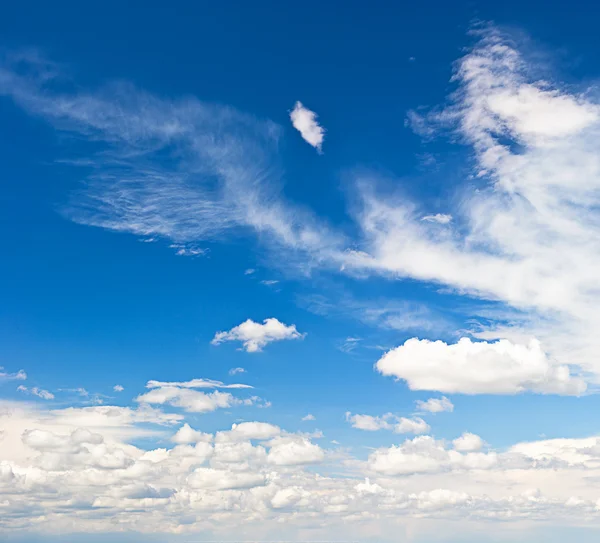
{"points": [[40, 393], [349, 344], [249, 271], [269, 282], [234, 371], [254, 336], [440, 218], [305, 121], [435, 405], [19, 376], [182, 250], [482, 367], [118, 388], [308, 417], [400, 425]]}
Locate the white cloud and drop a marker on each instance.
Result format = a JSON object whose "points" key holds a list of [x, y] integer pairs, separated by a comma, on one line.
{"points": [[118, 388], [293, 451], [249, 271], [235, 371], [527, 237], [71, 462], [187, 399], [424, 454], [308, 417], [224, 176], [349, 344], [400, 425], [208, 478], [19, 376], [39, 392], [305, 121], [411, 426], [194, 383], [254, 336], [182, 394], [186, 434], [435, 405], [468, 443], [440, 218], [249, 430], [479, 367]]}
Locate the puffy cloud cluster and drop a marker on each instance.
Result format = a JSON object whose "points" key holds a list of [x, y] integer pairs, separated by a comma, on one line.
{"points": [[79, 465], [254, 336]]}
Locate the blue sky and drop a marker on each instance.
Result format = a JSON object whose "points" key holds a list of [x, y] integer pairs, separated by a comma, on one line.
{"points": [[325, 266]]}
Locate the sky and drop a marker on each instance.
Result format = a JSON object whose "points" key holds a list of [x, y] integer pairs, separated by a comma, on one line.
{"points": [[310, 272]]}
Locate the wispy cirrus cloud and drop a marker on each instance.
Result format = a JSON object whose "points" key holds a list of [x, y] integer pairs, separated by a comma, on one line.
{"points": [[183, 170]]}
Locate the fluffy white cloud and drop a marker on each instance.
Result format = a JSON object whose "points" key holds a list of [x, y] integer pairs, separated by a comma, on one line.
{"points": [[245, 431], [254, 336], [435, 405], [411, 426], [478, 367], [293, 451], [400, 425], [424, 454], [186, 435], [118, 388], [308, 417], [234, 371], [305, 121], [212, 479], [68, 463], [468, 442]]}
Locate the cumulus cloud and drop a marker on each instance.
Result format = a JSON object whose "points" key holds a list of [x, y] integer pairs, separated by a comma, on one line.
{"points": [[424, 454], [293, 451], [308, 417], [305, 121], [435, 405], [468, 442], [254, 336], [400, 425], [186, 435], [479, 367], [118, 388], [257, 475]]}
